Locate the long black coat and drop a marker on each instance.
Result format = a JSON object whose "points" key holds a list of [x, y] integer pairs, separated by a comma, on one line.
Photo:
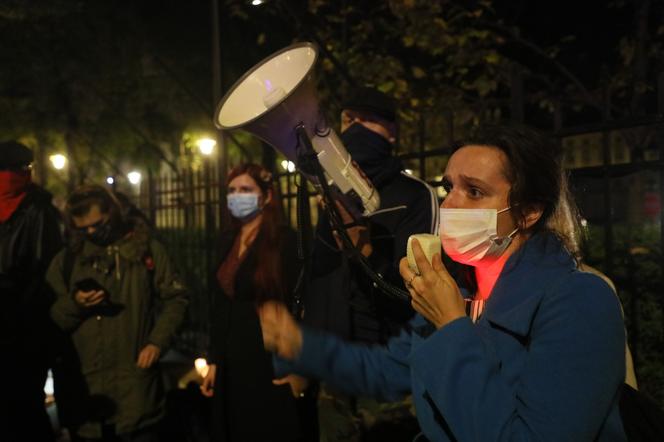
{"points": [[28, 241], [246, 405]]}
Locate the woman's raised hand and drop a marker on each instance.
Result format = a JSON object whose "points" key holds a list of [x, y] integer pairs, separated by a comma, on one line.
{"points": [[281, 334], [434, 293]]}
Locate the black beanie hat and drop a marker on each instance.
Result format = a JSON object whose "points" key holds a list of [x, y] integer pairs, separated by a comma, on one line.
{"points": [[367, 99], [14, 154]]}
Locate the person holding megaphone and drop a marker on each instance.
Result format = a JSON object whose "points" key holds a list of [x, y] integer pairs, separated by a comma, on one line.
{"points": [[341, 297], [542, 357]]}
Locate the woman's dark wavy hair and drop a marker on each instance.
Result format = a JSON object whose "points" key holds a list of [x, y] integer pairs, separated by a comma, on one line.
{"points": [[535, 171], [269, 241]]}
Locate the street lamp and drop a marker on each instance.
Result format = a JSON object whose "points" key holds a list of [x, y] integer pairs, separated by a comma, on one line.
{"points": [[288, 165], [134, 177], [206, 146], [58, 161]]}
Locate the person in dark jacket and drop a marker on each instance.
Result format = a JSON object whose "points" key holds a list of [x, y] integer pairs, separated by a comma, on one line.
{"points": [[29, 238], [121, 301], [341, 298], [258, 262]]}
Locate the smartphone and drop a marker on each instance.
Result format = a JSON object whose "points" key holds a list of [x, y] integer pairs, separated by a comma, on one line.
{"points": [[87, 285]]}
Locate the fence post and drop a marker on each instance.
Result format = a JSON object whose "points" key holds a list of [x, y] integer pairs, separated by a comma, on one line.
{"points": [[151, 199], [210, 240]]}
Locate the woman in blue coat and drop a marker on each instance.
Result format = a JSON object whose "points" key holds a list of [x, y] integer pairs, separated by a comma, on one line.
{"points": [[539, 356]]}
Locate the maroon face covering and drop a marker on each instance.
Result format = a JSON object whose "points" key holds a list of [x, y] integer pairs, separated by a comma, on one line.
{"points": [[12, 191]]}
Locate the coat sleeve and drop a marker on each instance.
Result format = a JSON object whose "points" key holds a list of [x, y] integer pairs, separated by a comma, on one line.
{"points": [[65, 312], [572, 373], [356, 369], [173, 294], [48, 239]]}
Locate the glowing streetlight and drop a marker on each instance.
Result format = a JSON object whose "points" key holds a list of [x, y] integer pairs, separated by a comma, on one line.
{"points": [[110, 180], [288, 165], [440, 190], [58, 161], [134, 177], [257, 2], [206, 145]]}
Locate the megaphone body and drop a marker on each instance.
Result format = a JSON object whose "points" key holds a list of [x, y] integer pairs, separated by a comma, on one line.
{"points": [[275, 98]]}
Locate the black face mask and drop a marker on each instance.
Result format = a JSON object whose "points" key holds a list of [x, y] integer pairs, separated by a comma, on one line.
{"points": [[103, 235], [372, 152]]}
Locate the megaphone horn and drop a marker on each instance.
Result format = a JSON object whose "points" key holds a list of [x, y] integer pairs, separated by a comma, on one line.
{"points": [[278, 95], [273, 97]]}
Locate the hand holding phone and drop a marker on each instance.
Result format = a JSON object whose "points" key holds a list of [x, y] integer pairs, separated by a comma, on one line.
{"points": [[89, 293]]}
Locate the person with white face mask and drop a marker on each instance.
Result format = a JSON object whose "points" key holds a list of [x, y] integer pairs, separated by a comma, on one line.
{"points": [[258, 262], [543, 360], [469, 235]]}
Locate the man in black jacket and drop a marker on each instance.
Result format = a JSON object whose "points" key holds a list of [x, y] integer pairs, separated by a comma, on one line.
{"points": [[29, 237], [341, 298]]}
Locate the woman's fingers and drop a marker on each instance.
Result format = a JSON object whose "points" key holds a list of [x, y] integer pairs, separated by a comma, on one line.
{"points": [[432, 271], [423, 265], [407, 274], [420, 305]]}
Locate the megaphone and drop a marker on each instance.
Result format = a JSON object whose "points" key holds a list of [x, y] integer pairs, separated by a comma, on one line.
{"points": [[276, 98]]}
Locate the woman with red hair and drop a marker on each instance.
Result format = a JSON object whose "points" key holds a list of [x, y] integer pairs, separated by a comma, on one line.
{"points": [[258, 263]]}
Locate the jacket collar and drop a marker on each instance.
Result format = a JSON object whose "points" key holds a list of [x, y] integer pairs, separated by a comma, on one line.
{"points": [[132, 247], [526, 277]]}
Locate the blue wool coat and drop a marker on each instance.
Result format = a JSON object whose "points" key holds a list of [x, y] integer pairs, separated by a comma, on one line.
{"points": [[544, 362]]}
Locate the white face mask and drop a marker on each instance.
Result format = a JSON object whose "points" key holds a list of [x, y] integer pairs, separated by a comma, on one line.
{"points": [[469, 235]]}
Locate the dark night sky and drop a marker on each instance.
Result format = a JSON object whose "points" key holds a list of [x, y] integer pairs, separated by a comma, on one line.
{"points": [[597, 28]]}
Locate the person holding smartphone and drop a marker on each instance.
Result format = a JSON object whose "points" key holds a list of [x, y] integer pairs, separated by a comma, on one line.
{"points": [[112, 259]]}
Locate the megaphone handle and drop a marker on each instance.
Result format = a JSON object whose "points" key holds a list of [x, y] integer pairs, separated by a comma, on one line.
{"points": [[310, 153]]}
